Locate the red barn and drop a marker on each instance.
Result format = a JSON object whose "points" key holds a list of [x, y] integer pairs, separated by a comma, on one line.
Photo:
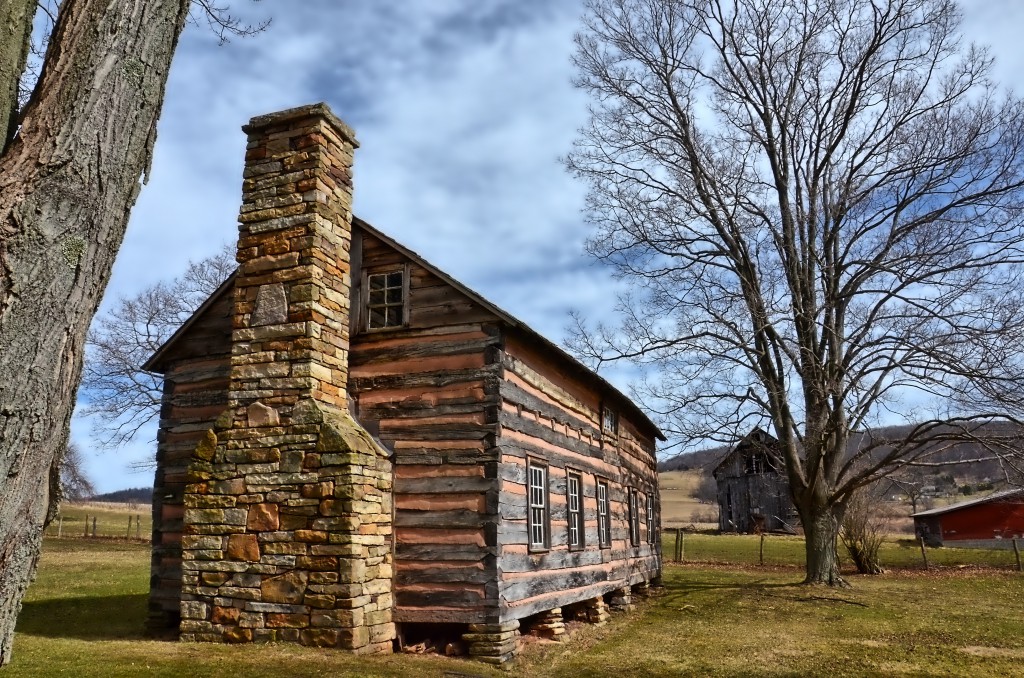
{"points": [[990, 521]]}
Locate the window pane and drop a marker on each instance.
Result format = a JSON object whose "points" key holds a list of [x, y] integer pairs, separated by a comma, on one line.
{"points": [[377, 282], [394, 316], [377, 297], [377, 317], [395, 279], [394, 295]]}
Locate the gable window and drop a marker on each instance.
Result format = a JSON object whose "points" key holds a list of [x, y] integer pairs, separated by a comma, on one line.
{"points": [[385, 301], [609, 420], [574, 502], [540, 532], [650, 519], [634, 517], [604, 518]]}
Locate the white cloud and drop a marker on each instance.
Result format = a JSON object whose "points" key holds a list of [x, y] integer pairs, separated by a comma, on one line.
{"points": [[462, 109]]}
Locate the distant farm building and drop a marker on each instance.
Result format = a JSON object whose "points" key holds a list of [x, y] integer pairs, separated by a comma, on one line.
{"points": [[992, 521], [753, 492]]}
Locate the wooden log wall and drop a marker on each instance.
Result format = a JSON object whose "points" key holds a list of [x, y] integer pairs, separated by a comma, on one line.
{"points": [[553, 416], [462, 400], [429, 391], [196, 376]]}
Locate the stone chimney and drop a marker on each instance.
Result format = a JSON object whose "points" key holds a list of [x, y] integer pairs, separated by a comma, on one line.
{"points": [[288, 532]]}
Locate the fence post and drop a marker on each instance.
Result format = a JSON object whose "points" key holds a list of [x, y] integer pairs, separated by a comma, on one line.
{"points": [[924, 554], [760, 555], [86, 533], [680, 548], [60, 526], [128, 533], [138, 526], [94, 526], [1016, 553]]}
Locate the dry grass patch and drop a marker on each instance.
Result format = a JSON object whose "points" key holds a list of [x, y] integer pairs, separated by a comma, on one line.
{"points": [[84, 617]]}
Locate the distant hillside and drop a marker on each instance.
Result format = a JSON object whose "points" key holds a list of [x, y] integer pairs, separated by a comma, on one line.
{"points": [[950, 461], [701, 460], [143, 495]]}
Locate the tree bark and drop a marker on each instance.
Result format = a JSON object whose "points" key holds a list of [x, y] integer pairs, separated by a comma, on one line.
{"points": [[15, 39], [67, 183], [821, 542]]}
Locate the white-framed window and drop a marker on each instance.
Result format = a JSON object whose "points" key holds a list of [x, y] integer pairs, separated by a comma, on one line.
{"points": [[634, 517], [574, 504], [651, 533], [609, 420], [604, 517], [537, 490], [385, 299]]}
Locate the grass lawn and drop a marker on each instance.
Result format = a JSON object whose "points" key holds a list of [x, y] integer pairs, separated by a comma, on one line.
{"points": [[896, 552], [84, 614], [111, 520]]}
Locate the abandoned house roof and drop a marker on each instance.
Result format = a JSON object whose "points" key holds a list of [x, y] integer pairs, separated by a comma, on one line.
{"points": [[757, 438], [156, 361], [995, 496]]}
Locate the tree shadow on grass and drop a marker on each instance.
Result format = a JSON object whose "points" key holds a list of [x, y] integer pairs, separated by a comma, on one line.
{"points": [[85, 618], [680, 589]]}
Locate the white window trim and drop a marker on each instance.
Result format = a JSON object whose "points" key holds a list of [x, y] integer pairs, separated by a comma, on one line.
{"points": [[538, 522]]}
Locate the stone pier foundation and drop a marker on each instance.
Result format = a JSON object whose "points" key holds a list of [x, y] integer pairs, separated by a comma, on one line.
{"points": [[548, 625], [597, 611], [621, 600], [493, 643], [642, 590]]}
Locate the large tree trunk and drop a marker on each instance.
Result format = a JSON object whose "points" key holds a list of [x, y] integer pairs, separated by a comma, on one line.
{"points": [[15, 36], [67, 184], [821, 542]]}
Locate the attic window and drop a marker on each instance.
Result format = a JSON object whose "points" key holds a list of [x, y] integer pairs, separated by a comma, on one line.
{"points": [[609, 420], [385, 303]]}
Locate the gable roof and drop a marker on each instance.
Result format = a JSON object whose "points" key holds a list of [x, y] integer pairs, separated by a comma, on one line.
{"points": [[581, 370], [995, 496], [757, 438]]}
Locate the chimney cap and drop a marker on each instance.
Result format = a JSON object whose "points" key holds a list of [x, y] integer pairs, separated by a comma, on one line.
{"points": [[320, 110]]}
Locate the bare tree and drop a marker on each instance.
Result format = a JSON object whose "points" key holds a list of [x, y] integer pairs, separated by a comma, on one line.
{"points": [[706, 489], [819, 206], [865, 525], [74, 481], [116, 391], [910, 485], [71, 160]]}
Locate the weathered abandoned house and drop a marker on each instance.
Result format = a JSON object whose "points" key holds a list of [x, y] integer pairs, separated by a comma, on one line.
{"points": [[753, 492], [992, 521], [354, 445]]}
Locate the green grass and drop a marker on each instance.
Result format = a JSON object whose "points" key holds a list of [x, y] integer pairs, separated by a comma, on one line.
{"points": [[782, 550], [111, 520], [84, 614]]}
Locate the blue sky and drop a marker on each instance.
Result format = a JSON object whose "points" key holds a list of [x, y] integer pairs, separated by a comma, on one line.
{"points": [[462, 109]]}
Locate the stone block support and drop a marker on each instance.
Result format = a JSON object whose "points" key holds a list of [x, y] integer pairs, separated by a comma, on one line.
{"points": [[493, 643], [548, 625], [621, 600], [287, 527], [597, 611]]}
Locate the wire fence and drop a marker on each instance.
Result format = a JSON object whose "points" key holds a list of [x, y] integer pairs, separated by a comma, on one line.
{"points": [[98, 525], [789, 551]]}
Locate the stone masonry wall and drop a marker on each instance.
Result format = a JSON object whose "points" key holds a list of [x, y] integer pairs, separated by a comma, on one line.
{"points": [[287, 528]]}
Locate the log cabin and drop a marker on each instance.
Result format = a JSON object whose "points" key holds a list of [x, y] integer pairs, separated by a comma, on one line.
{"points": [[356, 450], [753, 491]]}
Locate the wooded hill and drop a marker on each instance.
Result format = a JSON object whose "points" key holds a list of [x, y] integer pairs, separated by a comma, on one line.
{"points": [[952, 469], [139, 494]]}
